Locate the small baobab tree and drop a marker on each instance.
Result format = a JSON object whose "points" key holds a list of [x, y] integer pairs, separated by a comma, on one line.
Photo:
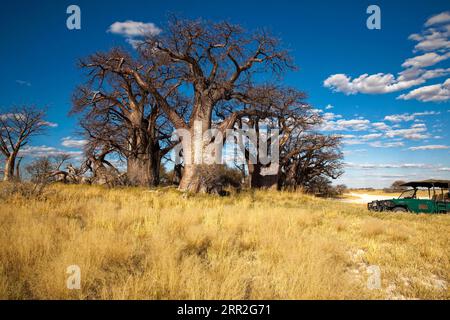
{"points": [[17, 126]]}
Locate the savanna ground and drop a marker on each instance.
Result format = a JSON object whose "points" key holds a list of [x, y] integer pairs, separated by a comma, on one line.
{"points": [[134, 243]]}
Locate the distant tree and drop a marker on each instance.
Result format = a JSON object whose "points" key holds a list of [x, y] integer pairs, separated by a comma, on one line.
{"points": [[48, 169], [397, 186], [341, 189], [271, 108], [309, 159], [17, 126]]}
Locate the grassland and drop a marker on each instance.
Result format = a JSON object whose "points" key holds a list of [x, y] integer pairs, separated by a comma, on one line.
{"points": [[159, 244]]}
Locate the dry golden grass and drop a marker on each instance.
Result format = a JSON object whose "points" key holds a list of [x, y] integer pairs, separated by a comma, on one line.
{"points": [[138, 244]]}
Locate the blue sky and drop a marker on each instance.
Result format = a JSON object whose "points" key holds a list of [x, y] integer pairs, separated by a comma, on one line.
{"points": [[386, 90]]}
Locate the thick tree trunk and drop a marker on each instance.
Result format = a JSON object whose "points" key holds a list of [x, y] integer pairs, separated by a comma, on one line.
{"points": [[194, 169], [144, 161], [9, 168], [258, 180], [17, 173], [177, 174], [142, 171], [192, 178]]}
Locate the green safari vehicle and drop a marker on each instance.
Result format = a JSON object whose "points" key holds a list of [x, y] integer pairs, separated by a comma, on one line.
{"points": [[438, 200]]}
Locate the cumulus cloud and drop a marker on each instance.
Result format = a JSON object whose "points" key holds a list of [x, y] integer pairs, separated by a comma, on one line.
{"points": [[425, 60], [49, 124], [329, 107], [330, 116], [352, 142], [432, 39], [372, 136], [415, 132], [381, 83], [344, 125], [435, 93], [133, 31], [380, 126], [69, 142], [42, 151], [429, 147], [408, 116], [370, 84], [381, 144], [443, 17]]}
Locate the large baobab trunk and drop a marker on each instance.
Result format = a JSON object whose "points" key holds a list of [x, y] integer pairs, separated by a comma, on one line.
{"points": [[259, 180], [196, 167], [17, 173], [9, 168], [143, 162], [191, 180], [143, 170]]}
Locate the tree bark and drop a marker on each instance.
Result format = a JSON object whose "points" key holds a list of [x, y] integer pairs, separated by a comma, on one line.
{"points": [[191, 180], [260, 181], [9, 168], [194, 170], [17, 173], [143, 171]]}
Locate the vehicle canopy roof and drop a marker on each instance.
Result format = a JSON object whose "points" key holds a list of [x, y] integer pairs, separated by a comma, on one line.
{"points": [[444, 184]]}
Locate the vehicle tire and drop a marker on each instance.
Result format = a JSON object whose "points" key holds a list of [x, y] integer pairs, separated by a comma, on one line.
{"points": [[399, 209]]}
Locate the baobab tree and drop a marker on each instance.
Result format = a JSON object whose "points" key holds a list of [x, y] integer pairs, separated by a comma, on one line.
{"points": [[283, 109], [17, 126], [118, 113], [308, 158], [206, 64]]}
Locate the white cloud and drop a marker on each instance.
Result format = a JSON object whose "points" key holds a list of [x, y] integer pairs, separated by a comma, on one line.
{"points": [[329, 107], [19, 116], [372, 136], [330, 116], [370, 84], [381, 83], [42, 151], [432, 39], [69, 142], [132, 29], [408, 116], [49, 124], [429, 147], [346, 136], [435, 93], [353, 142], [425, 60], [380, 126], [380, 144], [399, 117], [438, 19], [344, 125], [415, 132]]}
